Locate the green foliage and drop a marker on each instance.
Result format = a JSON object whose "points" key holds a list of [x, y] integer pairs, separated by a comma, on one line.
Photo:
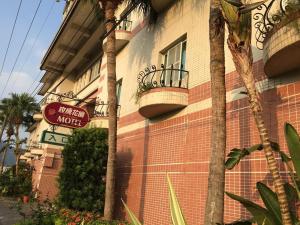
{"points": [[141, 90], [236, 155], [176, 212], [20, 108], [133, 218], [261, 215], [271, 214], [293, 143], [67, 216], [238, 18], [81, 180], [270, 200], [47, 213], [12, 185]]}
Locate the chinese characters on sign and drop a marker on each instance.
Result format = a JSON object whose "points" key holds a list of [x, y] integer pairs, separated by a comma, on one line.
{"points": [[64, 115], [54, 138]]}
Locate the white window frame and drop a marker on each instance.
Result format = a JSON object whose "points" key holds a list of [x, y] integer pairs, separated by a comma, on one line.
{"points": [[167, 64]]}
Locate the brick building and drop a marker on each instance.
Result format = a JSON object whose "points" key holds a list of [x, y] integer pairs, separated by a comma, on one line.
{"points": [[166, 128]]}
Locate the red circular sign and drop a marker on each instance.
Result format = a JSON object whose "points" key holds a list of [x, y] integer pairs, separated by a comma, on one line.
{"points": [[64, 115]]}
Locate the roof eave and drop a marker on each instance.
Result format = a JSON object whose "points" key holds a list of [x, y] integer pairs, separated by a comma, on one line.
{"points": [[62, 27]]}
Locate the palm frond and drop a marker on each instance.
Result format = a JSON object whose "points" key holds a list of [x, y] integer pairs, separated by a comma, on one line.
{"points": [[239, 24], [144, 7]]}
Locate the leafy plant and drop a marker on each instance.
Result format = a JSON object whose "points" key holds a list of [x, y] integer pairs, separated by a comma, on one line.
{"points": [[47, 213], [141, 90], [81, 180], [44, 213], [271, 215], [16, 186], [176, 212]]}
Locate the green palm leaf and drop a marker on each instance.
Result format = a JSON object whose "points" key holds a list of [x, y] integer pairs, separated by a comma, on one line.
{"points": [[133, 218], [236, 155], [260, 214], [293, 143], [239, 25], [270, 200], [176, 212]]}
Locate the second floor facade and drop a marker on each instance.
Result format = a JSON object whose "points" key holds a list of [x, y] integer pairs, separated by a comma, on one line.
{"points": [[160, 67]]}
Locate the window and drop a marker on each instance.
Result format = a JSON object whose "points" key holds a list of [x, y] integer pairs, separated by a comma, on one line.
{"points": [[87, 77], [94, 70], [90, 108], [118, 90], [175, 58], [126, 24]]}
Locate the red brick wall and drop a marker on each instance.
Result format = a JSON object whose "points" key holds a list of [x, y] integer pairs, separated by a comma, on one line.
{"points": [[48, 187], [181, 146], [45, 174]]}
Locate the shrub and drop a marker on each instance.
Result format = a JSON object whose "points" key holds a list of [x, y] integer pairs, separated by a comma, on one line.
{"points": [[14, 186], [81, 180], [71, 217]]}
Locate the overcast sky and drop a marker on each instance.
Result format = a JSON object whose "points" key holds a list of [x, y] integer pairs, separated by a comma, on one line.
{"points": [[27, 68]]}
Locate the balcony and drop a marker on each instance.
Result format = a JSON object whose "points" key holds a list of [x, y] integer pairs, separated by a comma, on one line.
{"points": [[278, 25], [162, 91], [123, 35], [36, 151], [38, 116], [26, 156], [35, 148], [98, 122], [99, 114]]}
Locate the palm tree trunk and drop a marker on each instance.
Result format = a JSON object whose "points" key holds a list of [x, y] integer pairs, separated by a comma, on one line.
{"points": [[17, 163], [17, 149], [3, 127], [4, 155], [242, 57], [214, 210], [112, 110]]}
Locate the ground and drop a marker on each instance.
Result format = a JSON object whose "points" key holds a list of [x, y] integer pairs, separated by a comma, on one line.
{"points": [[8, 215]]}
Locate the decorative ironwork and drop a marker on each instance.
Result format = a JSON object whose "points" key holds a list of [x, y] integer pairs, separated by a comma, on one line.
{"points": [[125, 25], [53, 97], [101, 109], [34, 144], [268, 15], [52, 128], [152, 77]]}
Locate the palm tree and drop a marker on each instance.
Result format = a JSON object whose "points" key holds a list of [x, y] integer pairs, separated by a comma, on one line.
{"points": [[23, 106], [238, 19], [9, 133], [5, 108], [214, 208], [109, 7]]}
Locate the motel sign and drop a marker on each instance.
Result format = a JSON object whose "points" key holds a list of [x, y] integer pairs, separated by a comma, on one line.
{"points": [[64, 115]]}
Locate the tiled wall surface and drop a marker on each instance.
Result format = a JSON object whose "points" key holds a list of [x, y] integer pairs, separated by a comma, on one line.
{"points": [[180, 145]]}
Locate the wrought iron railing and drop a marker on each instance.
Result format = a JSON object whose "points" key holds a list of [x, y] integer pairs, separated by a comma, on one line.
{"points": [[152, 77], [34, 144], [268, 15], [57, 98], [125, 25], [101, 109]]}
